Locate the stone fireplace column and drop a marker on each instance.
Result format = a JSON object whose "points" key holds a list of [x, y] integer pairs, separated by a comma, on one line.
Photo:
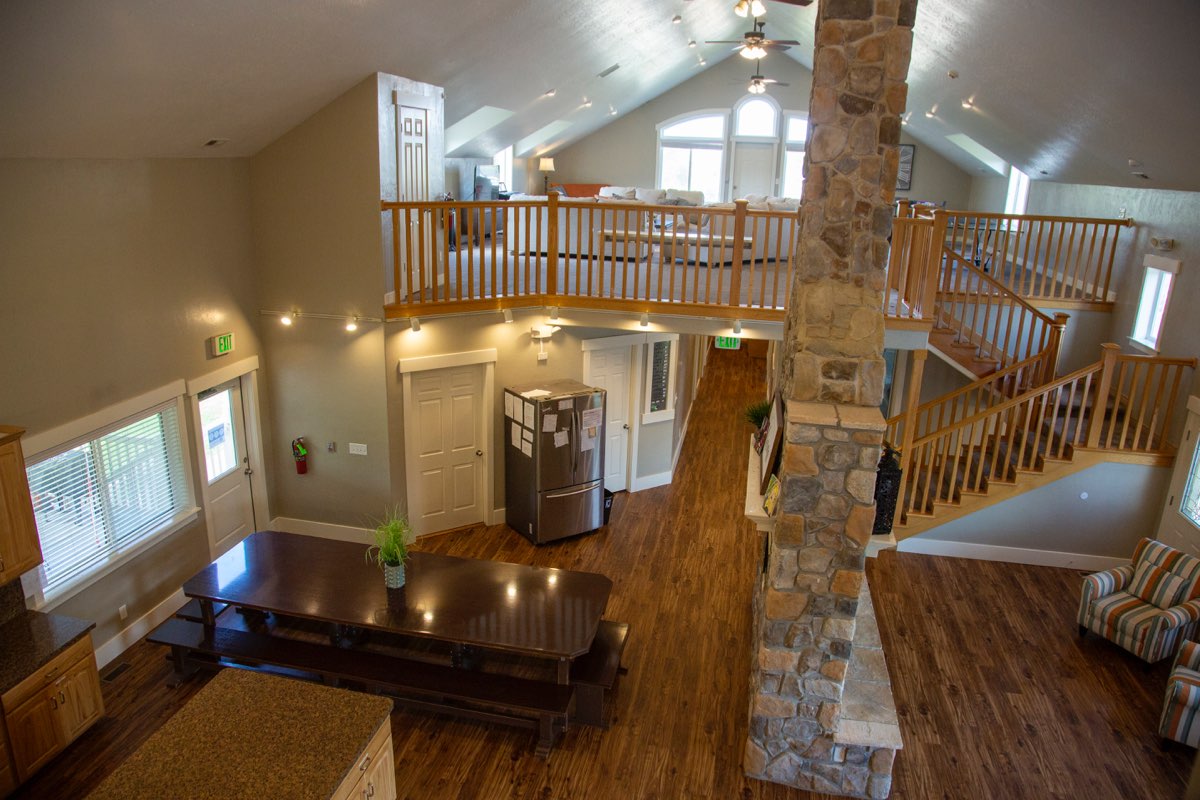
{"points": [[832, 377]]}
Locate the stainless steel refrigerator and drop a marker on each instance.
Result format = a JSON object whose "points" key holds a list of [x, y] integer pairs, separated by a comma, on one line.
{"points": [[553, 459]]}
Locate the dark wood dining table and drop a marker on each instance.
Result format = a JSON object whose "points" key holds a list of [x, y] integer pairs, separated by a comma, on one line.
{"points": [[539, 612]]}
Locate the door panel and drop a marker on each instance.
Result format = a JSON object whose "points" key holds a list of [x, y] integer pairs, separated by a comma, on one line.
{"points": [[609, 370], [449, 445], [753, 169], [226, 461]]}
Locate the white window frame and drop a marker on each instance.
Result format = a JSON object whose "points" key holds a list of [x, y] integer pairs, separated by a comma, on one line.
{"points": [[504, 160], [777, 132], [668, 413], [1017, 200], [693, 143], [47, 444], [1158, 278]]}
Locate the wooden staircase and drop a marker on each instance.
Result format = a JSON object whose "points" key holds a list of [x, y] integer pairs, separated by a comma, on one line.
{"points": [[1016, 426]]}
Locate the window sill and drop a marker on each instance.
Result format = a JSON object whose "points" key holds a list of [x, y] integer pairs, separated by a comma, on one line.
{"points": [[183, 519], [1145, 347]]}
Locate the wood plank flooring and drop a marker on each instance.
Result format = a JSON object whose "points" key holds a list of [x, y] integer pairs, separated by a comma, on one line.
{"points": [[997, 695]]}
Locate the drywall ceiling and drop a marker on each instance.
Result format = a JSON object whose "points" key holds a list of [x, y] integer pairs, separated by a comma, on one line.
{"points": [[1073, 88]]}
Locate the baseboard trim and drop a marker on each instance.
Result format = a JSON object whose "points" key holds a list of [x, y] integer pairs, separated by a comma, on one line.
{"points": [[131, 635], [1012, 555], [650, 481], [498, 516], [325, 530]]}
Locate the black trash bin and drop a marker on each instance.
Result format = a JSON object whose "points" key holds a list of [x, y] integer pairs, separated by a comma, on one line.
{"points": [[887, 491], [608, 498]]}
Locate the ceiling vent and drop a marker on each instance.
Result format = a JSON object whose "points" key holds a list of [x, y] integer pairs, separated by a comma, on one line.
{"points": [[609, 71]]}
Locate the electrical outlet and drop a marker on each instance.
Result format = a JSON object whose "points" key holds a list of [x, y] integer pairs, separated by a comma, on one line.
{"points": [[331, 447], [123, 612], [357, 449]]}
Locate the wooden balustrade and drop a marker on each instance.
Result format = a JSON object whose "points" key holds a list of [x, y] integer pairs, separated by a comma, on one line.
{"points": [[913, 265], [1122, 403], [1042, 258], [987, 315]]}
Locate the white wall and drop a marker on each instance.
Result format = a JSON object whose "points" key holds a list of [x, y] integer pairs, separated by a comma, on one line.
{"points": [[116, 274], [934, 178]]}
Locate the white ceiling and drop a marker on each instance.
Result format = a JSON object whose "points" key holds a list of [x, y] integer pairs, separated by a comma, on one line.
{"points": [[1072, 87]]}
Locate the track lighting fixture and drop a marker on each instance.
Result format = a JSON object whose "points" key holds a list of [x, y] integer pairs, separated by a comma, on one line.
{"points": [[645, 321], [288, 318], [737, 326], [352, 324], [415, 323], [508, 317]]}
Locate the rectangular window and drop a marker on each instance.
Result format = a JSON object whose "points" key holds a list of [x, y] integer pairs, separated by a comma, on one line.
{"points": [[660, 378], [793, 173], [1189, 506], [696, 169], [1018, 192], [100, 499], [504, 160], [1152, 305]]}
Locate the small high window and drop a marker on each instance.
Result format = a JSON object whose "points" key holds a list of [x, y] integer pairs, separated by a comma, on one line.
{"points": [[705, 126], [756, 117], [1152, 305], [1018, 192]]}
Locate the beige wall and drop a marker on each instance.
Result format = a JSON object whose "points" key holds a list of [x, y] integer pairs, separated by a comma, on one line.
{"points": [[315, 206], [934, 178], [117, 272]]}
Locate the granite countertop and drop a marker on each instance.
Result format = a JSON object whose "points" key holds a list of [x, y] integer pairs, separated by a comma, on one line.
{"points": [[252, 735], [30, 639]]}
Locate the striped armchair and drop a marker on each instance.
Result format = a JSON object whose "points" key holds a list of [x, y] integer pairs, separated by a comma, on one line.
{"points": [[1181, 708], [1148, 606]]}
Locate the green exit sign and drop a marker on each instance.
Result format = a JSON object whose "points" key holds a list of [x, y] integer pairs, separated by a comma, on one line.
{"points": [[728, 342], [221, 344]]}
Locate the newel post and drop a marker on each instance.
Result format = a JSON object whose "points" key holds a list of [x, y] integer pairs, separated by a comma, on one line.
{"points": [[933, 267], [1053, 348], [902, 209], [551, 286], [739, 252], [1108, 366]]}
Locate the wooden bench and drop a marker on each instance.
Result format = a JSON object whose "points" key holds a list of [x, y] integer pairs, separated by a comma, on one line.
{"points": [[527, 703], [594, 674], [191, 611]]}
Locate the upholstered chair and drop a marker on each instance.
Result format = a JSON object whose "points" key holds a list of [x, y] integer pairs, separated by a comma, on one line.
{"points": [[1181, 708], [1148, 606]]}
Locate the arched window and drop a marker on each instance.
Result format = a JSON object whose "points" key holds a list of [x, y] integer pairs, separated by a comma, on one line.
{"points": [[691, 153], [756, 116]]}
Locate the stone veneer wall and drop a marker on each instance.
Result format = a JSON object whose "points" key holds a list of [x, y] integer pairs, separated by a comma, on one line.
{"points": [[832, 374]]}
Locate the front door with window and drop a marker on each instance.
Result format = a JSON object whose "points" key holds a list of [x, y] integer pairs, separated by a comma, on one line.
{"points": [[227, 465]]}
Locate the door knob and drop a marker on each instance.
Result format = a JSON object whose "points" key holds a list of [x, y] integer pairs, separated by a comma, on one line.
{"points": [[625, 426], [478, 452]]}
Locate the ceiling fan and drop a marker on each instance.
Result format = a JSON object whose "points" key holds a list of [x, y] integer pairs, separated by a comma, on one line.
{"points": [[755, 8], [758, 84], [754, 44]]}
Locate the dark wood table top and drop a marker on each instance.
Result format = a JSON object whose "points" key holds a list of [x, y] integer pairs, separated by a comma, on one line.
{"points": [[530, 610]]}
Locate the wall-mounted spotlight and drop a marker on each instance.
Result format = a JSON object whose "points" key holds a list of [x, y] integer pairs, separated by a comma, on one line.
{"points": [[645, 321], [554, 313], [288, 318], [415, 323], [737, 326], [508, 317]]}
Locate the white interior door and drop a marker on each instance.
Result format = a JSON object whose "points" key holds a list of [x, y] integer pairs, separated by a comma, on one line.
{"points": [[447, 447], [609, 370], [227, 466], [1177, 526], [753, 169]]}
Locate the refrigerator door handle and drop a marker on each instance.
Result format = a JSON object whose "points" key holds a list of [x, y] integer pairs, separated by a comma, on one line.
{"points": [[576, 433], [591, 487]]}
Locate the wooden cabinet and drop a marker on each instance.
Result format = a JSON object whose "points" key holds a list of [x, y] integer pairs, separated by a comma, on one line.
{"points": [[374, 774], [8, 776], [51, 708], [20, 550]]}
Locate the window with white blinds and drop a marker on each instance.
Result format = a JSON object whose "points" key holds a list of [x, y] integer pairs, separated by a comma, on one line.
{"points": [[660, 378], [100, 498]]}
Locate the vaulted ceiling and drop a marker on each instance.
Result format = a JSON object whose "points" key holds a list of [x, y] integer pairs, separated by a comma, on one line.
{"points": [[1068, 90]]}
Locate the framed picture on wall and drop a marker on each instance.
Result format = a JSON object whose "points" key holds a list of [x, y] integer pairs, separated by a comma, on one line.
{"points": [[772, 444], [905, 168]]}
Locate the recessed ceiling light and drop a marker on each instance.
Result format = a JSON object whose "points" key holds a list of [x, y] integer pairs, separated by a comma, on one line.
{"points": [[968, 103], [952, 74], [586, 103], [703, 63], [692, 43], [551, 92], [676, 19], [612, 112]]}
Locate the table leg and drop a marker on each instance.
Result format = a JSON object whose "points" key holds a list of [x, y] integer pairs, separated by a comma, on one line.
{"points": [[207, 615], [564, 671]]}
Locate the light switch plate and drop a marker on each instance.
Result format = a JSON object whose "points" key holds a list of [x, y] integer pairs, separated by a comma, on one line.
{"points": [[357, 449]]}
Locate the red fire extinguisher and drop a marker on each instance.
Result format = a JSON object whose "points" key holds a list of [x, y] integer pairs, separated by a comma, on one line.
{"points": [[300, 453]]}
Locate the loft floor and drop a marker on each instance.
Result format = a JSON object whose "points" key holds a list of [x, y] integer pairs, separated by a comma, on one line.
{"points": [[996, 695]]}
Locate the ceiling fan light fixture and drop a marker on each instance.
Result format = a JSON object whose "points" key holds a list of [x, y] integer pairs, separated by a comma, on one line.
{"points": [[692, 43], [753, 52], [757, 87], [742, 8], [757, 9], [675, 20]]}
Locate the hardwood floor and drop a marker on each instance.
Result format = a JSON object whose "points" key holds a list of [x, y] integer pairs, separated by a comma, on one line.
{"points": [[997, 695]]}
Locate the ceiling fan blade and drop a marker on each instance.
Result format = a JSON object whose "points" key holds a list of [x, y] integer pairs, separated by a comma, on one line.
{"points": [[772, 80], [781, 41], [773, 47], [725, 41], [796, 2]]}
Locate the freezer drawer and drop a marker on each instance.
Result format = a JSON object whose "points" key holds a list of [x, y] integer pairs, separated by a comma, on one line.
{"points": [[571, 510]]}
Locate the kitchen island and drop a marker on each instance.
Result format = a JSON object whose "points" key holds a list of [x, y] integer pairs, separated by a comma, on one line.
{"points": [[253, 735]]}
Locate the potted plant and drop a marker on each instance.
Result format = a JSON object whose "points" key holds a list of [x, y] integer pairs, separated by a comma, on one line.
{"points": [[390, 551]]}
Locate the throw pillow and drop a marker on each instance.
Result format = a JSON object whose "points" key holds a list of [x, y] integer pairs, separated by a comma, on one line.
{"points": [[620, 192], [1156, 585], [652, 196], [685, 197]]}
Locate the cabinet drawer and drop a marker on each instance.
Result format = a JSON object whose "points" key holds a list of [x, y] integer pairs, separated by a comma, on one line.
{"points": [[380, 747], [46, 673]]}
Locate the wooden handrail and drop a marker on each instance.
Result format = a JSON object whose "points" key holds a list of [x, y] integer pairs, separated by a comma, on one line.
{"points": [[998, 287]]}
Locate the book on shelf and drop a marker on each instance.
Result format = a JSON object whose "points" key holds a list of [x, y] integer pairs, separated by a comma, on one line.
{"points": [[771, 498]]}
